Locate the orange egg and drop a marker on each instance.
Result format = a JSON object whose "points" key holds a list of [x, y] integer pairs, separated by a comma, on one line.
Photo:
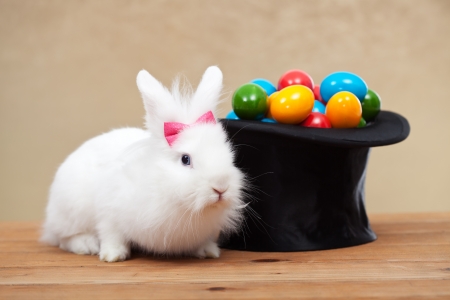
{"points": [[344, 110], [269, 100], [292, 104]]}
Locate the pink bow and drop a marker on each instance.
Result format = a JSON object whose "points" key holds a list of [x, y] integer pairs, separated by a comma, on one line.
{"points": [[171, 129]]}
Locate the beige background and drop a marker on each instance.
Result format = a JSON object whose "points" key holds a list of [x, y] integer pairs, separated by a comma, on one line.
{"points": [[68, 68]]}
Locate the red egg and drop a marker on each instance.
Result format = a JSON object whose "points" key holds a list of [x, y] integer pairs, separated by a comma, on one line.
{"points": [[317, 120], [295, 77], [317, 96]]}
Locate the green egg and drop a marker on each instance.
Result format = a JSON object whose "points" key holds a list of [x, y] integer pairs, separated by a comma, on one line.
{"points": [[362, 123], [250, 102], [371, 106]]}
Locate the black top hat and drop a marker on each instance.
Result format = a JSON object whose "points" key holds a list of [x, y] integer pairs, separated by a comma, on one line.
{"points": [[307, 184]]}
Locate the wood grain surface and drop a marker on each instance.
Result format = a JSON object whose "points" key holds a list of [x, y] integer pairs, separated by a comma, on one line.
{"points": [[410, 259]]}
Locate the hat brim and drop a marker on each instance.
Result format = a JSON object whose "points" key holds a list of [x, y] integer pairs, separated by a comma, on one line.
{"points": [[388, 128]]}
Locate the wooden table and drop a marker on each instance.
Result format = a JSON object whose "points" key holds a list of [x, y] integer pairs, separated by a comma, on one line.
{"points": [[411, 258]]}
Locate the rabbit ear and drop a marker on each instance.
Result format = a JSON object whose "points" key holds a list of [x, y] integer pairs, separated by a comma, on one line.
{"points": [[208, 92], [154, 94], [158, 102]]}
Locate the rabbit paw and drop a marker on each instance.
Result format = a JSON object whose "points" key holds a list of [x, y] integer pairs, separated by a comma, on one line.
{"points": [[114, 253], [209, 250], [81, 244]]}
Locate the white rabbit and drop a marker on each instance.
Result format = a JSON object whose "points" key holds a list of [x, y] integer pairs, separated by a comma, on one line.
{"points": [[169, 195]]}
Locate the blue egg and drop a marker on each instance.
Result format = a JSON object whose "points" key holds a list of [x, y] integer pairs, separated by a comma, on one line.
{"points": [[268, 120], [318, 107], [343, 81], [232, 116], [266, 85]]}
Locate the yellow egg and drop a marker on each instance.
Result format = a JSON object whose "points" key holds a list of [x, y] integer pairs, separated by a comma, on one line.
{"points": [[344, 110], [269, 100], [292, 104]]}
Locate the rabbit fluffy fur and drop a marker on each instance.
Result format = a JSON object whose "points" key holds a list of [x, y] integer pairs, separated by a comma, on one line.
{"points": [[128, 187]]}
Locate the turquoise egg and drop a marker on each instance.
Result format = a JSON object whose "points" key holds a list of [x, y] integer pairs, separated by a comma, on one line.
{"points": [[232, 116], [268, 120], [266, 85], [343, 81], [318, 107]]}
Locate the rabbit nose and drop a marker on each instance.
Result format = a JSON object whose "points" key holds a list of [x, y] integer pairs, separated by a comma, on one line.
{"points": [[220, 191]]}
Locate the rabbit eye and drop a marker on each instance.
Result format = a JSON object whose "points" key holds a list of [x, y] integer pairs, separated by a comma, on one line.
{"points": [[186, 159]]}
